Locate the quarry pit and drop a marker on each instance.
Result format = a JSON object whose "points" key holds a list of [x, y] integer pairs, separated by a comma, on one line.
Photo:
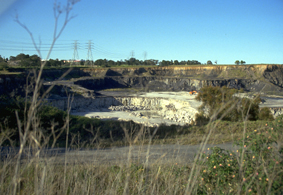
{"points": [[148, 108], [160, 95], [150, 95]]}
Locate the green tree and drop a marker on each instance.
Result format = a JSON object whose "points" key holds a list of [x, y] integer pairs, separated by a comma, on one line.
{"points": [[52, 62], [3, 65], [193, 62], [265, 114], [35, 60], [22, 56], [222, 103], [164, 63], [176, 62], [12, 58], [99, 62], [237, 62], [111, 63], [243, 62], [209, 62], [1, 59], [26, 62]]}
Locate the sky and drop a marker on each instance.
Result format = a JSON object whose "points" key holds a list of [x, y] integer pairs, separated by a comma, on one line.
{"points": [[216, 30]]}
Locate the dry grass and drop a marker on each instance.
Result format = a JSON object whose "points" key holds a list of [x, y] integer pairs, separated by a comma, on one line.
{"points": [[44, 175]]}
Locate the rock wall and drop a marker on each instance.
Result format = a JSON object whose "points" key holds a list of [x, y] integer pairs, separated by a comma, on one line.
{"points": [[79, 103], [274, 74], [172, 109], [276, 111], [167, 83], [249, 77], [12, 84]]}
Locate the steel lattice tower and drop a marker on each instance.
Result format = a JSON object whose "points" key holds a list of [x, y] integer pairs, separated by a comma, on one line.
{"points": [[144, 55], [132, 54], [89, 57], [75, 54]]}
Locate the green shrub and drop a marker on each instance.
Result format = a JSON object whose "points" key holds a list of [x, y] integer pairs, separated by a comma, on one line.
{"points": [[3, 65], [265, 114], [221, 103], [201, 119], [256, 166]]}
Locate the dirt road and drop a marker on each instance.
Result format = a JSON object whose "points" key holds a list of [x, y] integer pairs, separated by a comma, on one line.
{"points": [[181, 154]]}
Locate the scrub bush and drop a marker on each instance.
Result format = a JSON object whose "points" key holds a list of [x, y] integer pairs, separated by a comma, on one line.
{"points": [[256, 166]]}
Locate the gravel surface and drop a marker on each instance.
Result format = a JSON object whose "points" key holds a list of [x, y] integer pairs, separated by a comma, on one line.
{"points": [[169, 153]]}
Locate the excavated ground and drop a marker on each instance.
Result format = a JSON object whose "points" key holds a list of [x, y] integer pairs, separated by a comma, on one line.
{"points": [[170, 102], [155, 108], [151, 109]]}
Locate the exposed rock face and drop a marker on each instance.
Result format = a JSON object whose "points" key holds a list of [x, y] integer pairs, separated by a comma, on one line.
{"points": [[12, 84], [274, 75], [81, 103], [166, 84], [248, 77], [180, 111], [276, 111]]}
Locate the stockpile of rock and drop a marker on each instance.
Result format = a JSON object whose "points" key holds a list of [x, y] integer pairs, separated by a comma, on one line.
{"points": [[183, 117], [126, 108], [276, 111], [169, 112], [137, 114]]}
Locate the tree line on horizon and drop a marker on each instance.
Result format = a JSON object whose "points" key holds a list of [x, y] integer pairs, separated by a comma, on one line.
{"points": [[26, 60]]}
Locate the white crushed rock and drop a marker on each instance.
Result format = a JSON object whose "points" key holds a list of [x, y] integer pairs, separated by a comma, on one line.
{"points": [[168, 108]]}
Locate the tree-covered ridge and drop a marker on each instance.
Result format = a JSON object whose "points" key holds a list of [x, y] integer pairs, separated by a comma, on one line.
{"points": [[26, 60]]}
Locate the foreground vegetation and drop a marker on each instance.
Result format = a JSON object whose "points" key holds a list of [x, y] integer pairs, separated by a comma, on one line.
{"points": [[107, 133], [255, 166]]}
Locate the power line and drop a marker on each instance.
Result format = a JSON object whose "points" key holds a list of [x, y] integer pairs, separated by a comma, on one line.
{"points": [[25, 46], [29, 43]]}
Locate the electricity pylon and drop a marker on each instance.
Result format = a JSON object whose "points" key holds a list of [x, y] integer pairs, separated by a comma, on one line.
{"points": [[89, 58], [75, 54]]}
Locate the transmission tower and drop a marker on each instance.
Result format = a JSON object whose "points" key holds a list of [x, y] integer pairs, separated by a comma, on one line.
{"points": [[75, 54], [144, 55], [132, 54], [89, 58]]}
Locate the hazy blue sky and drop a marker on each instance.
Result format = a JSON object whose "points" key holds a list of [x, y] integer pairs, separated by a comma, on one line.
{"points": [[222, 30]]}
